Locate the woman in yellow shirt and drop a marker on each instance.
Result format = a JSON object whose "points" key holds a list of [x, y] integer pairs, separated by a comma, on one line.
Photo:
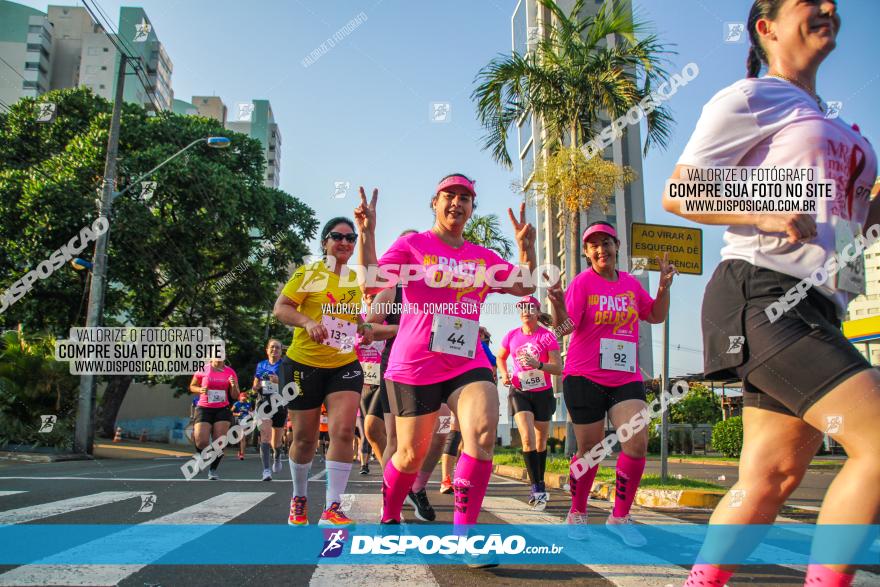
{"points": [[322, 363]]}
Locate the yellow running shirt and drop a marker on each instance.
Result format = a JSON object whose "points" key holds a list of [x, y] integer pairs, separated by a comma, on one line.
{"points": [[315, 289]]}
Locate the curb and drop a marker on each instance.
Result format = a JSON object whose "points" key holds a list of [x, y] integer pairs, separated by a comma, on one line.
{"points": [[656, 498], [155, 451], [30, 457]]}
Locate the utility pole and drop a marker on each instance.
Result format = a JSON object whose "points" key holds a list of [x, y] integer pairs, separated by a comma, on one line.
{"points": [[664, 418], [85, 417]]}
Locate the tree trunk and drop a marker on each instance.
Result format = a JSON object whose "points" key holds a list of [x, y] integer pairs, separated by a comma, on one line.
{"points": [[114, 394]]}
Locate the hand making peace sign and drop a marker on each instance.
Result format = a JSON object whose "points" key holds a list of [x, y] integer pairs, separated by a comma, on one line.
{"points": [[524, 231], [365, 214]]}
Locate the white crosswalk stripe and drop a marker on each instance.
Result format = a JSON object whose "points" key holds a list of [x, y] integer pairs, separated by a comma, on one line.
{"points": [[365, 509], [863, 578], [55, 508], [213, 511], [5, 493], [515, 512]]}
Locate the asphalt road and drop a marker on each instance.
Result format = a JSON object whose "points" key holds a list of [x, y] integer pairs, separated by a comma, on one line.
{"points": [[108, 491]]}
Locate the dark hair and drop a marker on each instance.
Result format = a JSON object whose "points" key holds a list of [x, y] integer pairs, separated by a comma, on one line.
{"points": [[760, 9], [328, 228], [444, 178]]}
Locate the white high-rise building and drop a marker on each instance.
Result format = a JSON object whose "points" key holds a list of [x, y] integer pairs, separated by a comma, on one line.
{"points": [[627, 205]]}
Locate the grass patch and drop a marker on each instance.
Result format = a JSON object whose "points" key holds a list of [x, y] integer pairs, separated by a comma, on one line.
{"points": [[559, 464]]}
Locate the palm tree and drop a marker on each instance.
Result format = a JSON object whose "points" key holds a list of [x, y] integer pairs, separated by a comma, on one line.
{"points": [[569, 81], [486, 232]]}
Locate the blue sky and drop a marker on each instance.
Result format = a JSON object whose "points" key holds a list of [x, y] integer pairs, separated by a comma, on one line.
{"points": [[360, 113]]}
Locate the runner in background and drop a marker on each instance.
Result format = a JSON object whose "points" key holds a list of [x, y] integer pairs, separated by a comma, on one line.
{"points": [[486, 340], [271, 429], [535, 353], [324, 431], [214, 384], [450, 455], [601, 309], [371, 431], [449, 366], [323, 365], [384, 314], [801, 376], [240, 410]]}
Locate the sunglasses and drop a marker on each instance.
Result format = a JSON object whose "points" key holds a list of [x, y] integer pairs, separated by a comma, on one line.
{"points": [[350, 237]]}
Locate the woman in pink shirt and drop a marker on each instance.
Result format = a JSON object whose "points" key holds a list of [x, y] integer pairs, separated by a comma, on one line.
{"points": [[601, 309], [438, 357], [214, 384], [535, 352]]}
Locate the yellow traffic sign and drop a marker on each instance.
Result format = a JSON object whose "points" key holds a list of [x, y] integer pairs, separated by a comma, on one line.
{"points": [[650, 241]]}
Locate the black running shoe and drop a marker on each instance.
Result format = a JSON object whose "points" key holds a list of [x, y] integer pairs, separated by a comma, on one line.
{"points": [[365, 470], [419, 500]]}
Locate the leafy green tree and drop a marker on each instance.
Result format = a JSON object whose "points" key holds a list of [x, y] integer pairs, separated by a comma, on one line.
{"points": [[569, 82], [486, 232], [33, 384], [699, 406], [209, 218]]}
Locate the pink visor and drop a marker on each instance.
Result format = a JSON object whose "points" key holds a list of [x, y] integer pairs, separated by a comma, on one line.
{"points": [[454, 181], [529, 300], [603, 228]]}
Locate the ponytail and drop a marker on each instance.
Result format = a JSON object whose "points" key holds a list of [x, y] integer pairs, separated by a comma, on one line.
{"points": [[753, 63], [545, 319], [768, 9]]}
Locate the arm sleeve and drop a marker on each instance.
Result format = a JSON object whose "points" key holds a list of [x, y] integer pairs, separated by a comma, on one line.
{"points": [[726, 131], [397, 254], [493, 259], [643, 299], [505, 342], [575, 300], [294, 288]]}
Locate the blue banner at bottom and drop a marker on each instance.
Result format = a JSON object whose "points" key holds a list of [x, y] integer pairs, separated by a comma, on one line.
{"points": [[433, 544]]}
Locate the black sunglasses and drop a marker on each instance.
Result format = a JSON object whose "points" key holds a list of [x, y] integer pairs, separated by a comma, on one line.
{"points": [[338, 236]]}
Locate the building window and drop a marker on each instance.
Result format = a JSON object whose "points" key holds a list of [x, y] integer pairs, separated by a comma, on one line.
{"points": [[102, 87], [31, 65], [106, 49], [29, 85]]}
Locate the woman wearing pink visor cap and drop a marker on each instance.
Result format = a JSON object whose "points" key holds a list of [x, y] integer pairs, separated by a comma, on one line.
{"points": [[438, 356], [601, 309], [535, 352]]}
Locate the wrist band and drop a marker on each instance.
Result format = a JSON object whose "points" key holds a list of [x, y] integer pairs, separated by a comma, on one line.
{"points": [[540, 366]]}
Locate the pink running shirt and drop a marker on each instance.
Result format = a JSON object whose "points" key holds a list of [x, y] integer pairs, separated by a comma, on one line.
{"points": [[215, 380], [602, 309], [538, 344], [411, 360]]}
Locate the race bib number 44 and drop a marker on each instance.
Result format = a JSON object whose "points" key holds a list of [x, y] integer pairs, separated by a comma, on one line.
{"points": [[617, 355], [340, 332], [454, 336]]}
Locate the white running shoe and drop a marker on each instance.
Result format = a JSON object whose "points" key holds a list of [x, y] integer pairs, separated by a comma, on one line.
{"points": [[626, 530], [576, 526], [541, 500], [277, 466], [267, 474], [212, 475]]}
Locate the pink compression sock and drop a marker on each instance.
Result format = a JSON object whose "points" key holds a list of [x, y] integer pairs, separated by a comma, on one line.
{"points": [[629, 474], [395, 486], [421, 481], [471, 482], [703, 575], [580, 488], [822, 575]]}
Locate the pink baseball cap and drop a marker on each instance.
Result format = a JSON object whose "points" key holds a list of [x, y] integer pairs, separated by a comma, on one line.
{"points": [[604, 228], [525, 301], [454, 180]]}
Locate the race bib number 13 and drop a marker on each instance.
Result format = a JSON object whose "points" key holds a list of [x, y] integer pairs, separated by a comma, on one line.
{"points": [[617, 355], [454, 336], [340, 333]]}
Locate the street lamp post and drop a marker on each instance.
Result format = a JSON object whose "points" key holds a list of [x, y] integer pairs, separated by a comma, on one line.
{"points": [[85, 417]]}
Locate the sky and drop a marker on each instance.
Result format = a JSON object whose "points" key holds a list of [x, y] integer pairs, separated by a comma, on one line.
{"points": [[360, 113]]}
